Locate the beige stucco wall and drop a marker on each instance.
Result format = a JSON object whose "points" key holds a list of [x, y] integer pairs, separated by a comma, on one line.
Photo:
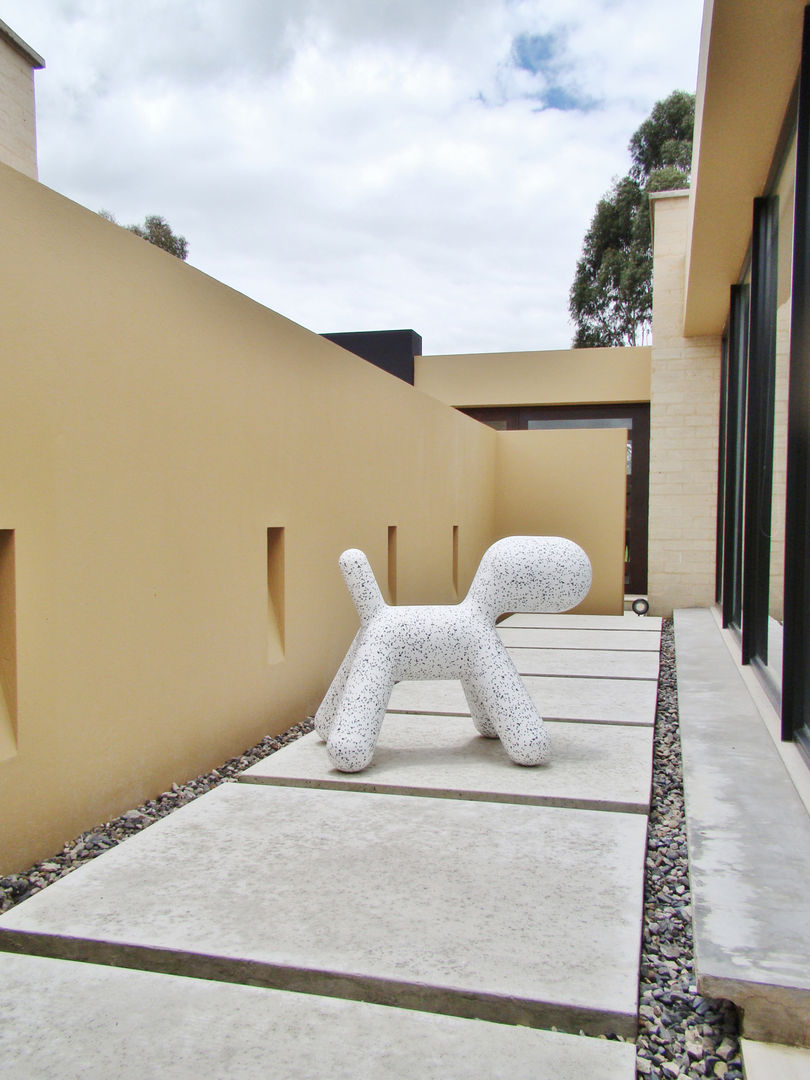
{"points": [[17, 120], [569, 483], [684, 412], [552, 377], [154, 426]]}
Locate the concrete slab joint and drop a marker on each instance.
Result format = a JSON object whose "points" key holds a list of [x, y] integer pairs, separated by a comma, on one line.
{"points": [[192, 1028], [446, 865], [595, 766]]}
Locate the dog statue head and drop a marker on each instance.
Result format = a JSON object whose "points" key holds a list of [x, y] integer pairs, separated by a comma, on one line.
{"points": [[530, 573]]}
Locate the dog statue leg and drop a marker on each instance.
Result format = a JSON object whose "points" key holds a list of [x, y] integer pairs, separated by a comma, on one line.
{"points": [[356, 724], [331, 701], [521, 730], [502, 699], [482, 722]]}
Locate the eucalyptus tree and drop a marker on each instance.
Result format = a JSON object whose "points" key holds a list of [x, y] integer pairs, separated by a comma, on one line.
{"points": [[157, 231], [611, 297]]}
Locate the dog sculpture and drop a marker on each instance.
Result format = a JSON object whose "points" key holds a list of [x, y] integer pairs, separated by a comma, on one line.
{"points": [[518, 573]]}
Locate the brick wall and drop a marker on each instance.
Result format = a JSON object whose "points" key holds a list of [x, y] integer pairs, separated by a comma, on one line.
{"points": [[684, 406]]}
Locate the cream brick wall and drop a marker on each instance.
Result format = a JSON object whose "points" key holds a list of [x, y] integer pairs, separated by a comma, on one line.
{"points": [[684, 407], [17, 118]]}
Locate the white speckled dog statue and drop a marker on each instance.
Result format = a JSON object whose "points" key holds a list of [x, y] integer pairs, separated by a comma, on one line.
{"points": [[518, 573]]}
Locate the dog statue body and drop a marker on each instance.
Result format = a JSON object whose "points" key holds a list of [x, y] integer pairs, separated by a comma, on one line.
{"points": [[518, 573]]}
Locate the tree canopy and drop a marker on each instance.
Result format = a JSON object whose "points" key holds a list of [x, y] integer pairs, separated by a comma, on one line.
{"points": [[611, 296], [664, 140], [157, 231]]}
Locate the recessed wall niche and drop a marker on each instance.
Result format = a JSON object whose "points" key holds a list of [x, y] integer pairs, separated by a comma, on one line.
{"points": [[455, 560], [275, 593], [8, 646], [392, 564]]}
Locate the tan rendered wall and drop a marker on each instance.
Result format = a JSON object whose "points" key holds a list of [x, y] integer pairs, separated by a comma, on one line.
{"points": [[569, 483], [164, 439], [153, 425], [553, 377], [17, 122], [684, 411]]}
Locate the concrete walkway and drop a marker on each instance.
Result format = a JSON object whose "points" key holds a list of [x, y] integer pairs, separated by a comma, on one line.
{"points": [[445, 913], [748, 822]]}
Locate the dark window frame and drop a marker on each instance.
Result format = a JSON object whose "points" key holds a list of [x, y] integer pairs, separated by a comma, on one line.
{"points": [[792, 697], [796, 632], [517, 417], [760, 430], [734, 443], [721, 474]]}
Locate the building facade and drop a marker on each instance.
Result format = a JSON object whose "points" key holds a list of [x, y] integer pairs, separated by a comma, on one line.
{"points": [[18, 140], [730, 393]]}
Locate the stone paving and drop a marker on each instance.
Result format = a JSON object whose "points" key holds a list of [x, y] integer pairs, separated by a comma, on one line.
{"points": [[445, 912]]}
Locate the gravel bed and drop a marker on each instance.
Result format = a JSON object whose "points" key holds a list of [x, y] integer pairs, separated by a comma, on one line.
{"points": [[681, 1034], [17, 887]]}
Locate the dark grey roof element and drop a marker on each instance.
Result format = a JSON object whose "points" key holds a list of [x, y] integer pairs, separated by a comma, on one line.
{"points": [[16, 42]]}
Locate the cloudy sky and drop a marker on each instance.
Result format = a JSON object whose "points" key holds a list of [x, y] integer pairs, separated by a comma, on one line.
{"points": [[361, 164]]}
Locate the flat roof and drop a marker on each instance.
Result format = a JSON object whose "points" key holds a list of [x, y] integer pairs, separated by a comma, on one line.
{"points": [[749, 59], [16, 42]]}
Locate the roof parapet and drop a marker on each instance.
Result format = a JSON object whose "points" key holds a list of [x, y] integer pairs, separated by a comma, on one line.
{"points": [[749, 56], [17, 43]]}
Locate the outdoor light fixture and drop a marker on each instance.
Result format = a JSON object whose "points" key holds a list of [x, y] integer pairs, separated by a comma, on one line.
{"points": [[641, 606]]}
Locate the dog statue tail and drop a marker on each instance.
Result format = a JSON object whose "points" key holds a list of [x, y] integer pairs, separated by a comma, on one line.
{"points": [[362, 585]]}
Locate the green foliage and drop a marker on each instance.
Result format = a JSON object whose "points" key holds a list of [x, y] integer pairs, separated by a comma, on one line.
{"points": [[611, 297], [665, 138], [157, 231], [611, 292]]}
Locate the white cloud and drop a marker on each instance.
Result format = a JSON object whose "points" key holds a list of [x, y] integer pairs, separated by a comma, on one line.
{"points": [[358, 164]]}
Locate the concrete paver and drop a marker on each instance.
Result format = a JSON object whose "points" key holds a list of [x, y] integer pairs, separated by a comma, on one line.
{"points": [[769, 1061], [87, 1022], [614, 701], [749, 843], [593, 766], [488, 896], [550, 638], [586, 663], [492, 910], [628, 621]]}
